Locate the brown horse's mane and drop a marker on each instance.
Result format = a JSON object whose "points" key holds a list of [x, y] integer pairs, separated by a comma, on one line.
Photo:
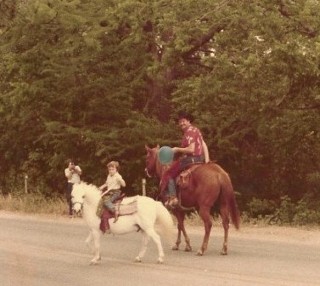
{"points": [[159, 168]]}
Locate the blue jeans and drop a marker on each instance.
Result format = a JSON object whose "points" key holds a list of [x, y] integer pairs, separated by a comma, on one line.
{"points": [[110, 198], [184, 163]]}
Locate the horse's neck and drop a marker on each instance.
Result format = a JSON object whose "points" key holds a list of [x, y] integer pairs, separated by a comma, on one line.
{"points": [[94, 198]]}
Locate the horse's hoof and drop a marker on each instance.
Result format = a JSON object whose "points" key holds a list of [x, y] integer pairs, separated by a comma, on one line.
{"points": [[200, 252], [223, 252], [94, 262], [137, 259], [160, 260], [175, 247], [188, 249]]}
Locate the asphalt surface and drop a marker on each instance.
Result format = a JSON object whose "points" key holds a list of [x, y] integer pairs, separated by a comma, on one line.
{"points": [[43, 251]]}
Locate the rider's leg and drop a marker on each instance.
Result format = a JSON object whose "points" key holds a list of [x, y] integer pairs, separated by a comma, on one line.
{"points": [[170, 174], [68, 194], [110, 206], [172, 192]]}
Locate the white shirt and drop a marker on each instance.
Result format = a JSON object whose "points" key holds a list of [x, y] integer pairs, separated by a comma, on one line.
{"points": [[115, 182], [72, 176]]}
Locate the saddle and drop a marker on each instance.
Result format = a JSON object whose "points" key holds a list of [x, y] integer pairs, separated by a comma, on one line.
{"points": [[183, 180], [123, 209]]}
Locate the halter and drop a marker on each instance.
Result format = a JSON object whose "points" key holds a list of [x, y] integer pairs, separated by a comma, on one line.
{"points": [[80, 203], [147, 173]]}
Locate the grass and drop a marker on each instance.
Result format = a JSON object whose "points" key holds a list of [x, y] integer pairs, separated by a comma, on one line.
{"points": [[33, 203], [37, 203]]}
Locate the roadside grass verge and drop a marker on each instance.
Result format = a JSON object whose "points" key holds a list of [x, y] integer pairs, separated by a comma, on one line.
{"points": [[287, 214], [33, 203]]}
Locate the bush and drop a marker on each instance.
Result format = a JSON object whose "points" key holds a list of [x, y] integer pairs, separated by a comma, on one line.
{"points": [[304, 215], [260, 208]]}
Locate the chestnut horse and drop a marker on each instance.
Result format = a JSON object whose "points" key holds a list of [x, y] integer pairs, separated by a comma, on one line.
{"points": [[208, 183]]}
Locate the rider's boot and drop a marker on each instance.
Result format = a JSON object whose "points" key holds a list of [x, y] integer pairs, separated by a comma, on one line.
{"points": [[173, 201]]}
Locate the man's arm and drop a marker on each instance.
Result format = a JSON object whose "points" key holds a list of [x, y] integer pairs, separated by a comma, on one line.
{"points": [[78, 170], [103, 186], [205, 152], [185, 150]]}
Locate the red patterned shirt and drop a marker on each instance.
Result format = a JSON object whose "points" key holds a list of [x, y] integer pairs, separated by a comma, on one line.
{"points": [[193, 135]]}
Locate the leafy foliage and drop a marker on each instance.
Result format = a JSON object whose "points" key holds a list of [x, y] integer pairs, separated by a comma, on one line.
{"points": [[97, 80]]}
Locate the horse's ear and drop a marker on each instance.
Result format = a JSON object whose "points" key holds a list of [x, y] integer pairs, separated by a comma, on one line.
{"points": [[147, 147], [158, 146]]}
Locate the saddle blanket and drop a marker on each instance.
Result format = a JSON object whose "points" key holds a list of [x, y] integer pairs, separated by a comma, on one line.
{"points": [[129, 207]]}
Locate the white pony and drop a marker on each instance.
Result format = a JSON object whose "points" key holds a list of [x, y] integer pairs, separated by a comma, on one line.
{"points": [[86, 197]]}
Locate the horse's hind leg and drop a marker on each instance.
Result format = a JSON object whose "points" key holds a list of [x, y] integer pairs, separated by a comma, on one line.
{"points": [[225, 223], [204, 213], [145, 241], [156, 238]]}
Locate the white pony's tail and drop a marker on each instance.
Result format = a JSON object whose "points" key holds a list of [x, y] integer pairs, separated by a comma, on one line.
{"points": [[165, 220]]}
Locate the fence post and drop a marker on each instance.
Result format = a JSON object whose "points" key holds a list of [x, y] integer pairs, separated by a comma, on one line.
{"points": [[144, 193], [26, 183]]}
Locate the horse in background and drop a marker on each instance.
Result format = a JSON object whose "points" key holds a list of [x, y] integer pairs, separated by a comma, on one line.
{"points": [[148, 212], [207, 183]]}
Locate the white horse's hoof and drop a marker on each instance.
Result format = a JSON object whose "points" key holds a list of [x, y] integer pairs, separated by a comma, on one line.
{"points": [[95, 261], [138, 259], [160, 260]]}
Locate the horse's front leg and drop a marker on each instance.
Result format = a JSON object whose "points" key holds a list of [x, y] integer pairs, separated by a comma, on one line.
{"points": [[96, 235], [206, 218], [178, 241], [180, 215], [89, 240]]}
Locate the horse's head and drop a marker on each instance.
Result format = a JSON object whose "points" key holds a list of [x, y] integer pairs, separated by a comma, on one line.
{"points": [[151, 161], [77, 197]]}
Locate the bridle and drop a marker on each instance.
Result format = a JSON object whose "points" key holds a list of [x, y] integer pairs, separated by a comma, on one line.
{"points": [[147, 170], [147, 173], [77, 202], [156, 169]]}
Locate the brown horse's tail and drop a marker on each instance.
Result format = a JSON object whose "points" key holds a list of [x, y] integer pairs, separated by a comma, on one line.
{"points": [[229, 196]]}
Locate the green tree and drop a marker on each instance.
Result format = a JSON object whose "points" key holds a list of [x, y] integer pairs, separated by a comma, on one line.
{"points": [[96, 80]]}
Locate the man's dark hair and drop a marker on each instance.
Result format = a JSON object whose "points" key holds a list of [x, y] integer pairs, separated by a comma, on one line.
{"points": [[185, 115]]}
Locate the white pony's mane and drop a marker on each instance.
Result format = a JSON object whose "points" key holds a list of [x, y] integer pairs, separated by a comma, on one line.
{"points": [[91, 191]]}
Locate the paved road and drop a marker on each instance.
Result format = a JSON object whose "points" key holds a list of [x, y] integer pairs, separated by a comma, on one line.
{"points": [[37, 251]]}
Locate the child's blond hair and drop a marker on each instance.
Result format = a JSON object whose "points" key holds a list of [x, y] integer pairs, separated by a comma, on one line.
{"points": [[114, 164]]}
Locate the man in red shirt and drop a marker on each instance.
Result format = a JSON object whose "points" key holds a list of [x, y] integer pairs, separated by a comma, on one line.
{"points": [[193, 150]]}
